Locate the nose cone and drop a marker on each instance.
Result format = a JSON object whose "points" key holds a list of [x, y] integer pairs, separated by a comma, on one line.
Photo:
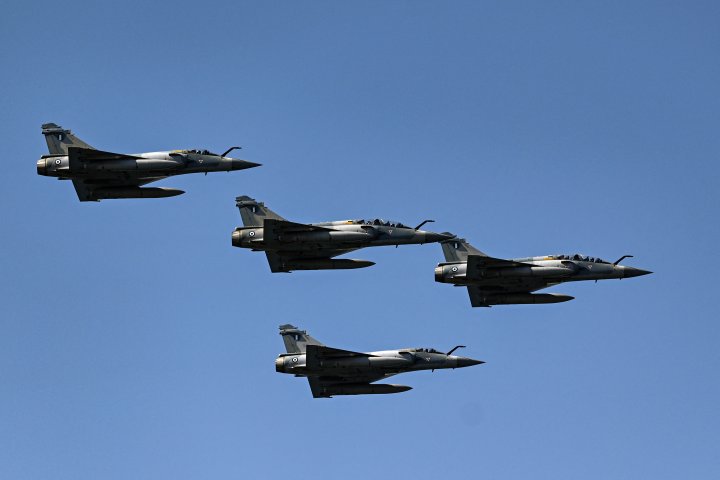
{"points": [[467, 362], [634, 272], [432, 237], [238, 164]]}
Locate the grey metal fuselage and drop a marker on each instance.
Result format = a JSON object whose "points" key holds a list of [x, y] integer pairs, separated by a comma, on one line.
{"points": [[382, 364], [146, 167], [99, 175], [341, 235], [494, 281], [547, 268], [332, 371]]}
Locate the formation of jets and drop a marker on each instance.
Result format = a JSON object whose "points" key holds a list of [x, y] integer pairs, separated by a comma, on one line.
{"points": [[298, 246], [289, 246]]}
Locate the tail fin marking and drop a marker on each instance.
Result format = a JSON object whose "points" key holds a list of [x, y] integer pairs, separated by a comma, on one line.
{"points": [[253, 213], [58, 140], [457, 250], [296, 340]]}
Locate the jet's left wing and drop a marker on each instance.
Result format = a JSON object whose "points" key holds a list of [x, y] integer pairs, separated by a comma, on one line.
{"points": [[273, 228], [476, 263], [316, 353], [91, 155]]}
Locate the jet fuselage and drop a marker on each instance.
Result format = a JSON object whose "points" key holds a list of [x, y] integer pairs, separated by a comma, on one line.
{"points": [[548, 267], [391, 362], [335, 235]]}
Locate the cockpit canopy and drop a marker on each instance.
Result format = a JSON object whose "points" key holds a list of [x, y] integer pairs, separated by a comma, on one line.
{"points": [[426, 350], [380, 222], [203, 152], [580, 258]]}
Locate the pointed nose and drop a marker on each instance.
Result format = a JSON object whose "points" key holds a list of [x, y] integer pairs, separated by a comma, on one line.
{"points": [[432, 237], [238, 164], [634, 272], [467, 362]]}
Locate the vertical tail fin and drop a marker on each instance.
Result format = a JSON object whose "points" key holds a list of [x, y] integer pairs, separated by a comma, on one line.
{"points": [[457, 250], [58, 140], [296, 340], [253, 213]]}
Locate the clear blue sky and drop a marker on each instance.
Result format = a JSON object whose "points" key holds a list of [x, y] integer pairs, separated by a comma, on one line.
{"points": [[135, 342]]}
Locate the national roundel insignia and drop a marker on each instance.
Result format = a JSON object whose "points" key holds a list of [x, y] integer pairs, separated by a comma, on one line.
{"points": [[454, 269], [295, 359], [252, 234], [57, 161]]}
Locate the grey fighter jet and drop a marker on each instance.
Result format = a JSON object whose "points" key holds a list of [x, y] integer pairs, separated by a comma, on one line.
{"points": [[494, 281], [332, 371], [297, 246], [99, 175]]}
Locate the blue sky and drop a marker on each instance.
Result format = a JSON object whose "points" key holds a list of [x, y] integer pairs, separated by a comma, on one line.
{"points": [[135, 342]]}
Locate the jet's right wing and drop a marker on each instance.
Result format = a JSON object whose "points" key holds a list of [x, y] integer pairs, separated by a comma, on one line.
{"points": [[315, 354], [86, 191], [480, 296], [273, 228], [278, 260], [319, 386], [83, 190]]}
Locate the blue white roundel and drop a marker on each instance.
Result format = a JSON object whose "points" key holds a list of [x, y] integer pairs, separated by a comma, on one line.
{"points": [[57, 161], [454, 269], [252, 234]]}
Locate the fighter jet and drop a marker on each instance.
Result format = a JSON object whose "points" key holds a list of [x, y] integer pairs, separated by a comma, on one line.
{"points": [[297, 246], [99, 175], [494, 281], [331, 371]]}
